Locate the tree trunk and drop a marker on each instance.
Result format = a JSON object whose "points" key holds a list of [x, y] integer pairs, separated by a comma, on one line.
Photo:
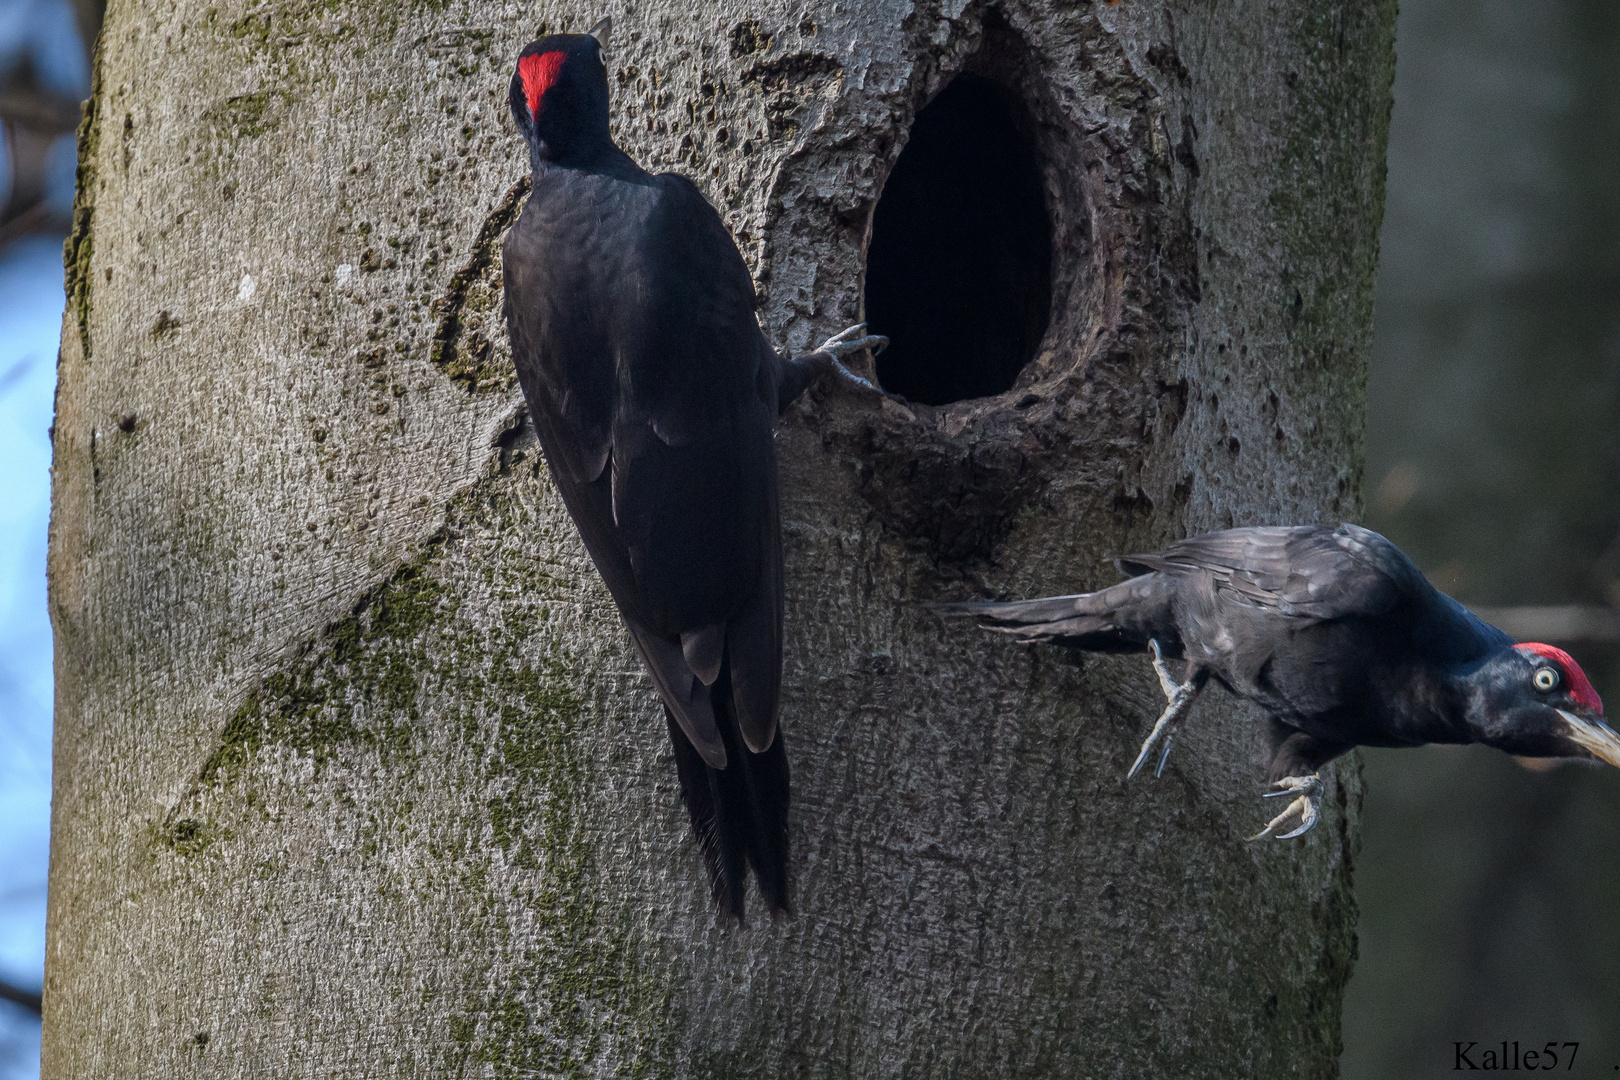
{"points": [[357, 772]]}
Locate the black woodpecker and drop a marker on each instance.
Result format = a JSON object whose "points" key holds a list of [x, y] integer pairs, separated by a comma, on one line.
{"points": [[1338, 637], [654, 394]]}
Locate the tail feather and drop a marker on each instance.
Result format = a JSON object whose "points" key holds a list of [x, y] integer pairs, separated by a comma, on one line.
{"points": [[1120, 618], [739, 814]]}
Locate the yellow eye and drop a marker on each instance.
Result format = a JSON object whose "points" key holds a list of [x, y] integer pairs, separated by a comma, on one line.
{"points": [[1545, 679]]}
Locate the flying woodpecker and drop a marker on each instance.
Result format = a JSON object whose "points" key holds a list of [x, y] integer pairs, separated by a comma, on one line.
{"points": [[654, 394], [1338, 637]]}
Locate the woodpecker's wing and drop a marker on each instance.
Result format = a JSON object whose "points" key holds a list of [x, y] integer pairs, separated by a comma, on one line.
{"points": [[694, 465], [1304, 572], [633, 330], [554, 319], [689, 338]]}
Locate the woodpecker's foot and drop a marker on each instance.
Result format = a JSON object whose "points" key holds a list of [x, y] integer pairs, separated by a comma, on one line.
{"points": [[849, 340], [1167, 682], [1180, 698], [1306, 807], [852, 339]]}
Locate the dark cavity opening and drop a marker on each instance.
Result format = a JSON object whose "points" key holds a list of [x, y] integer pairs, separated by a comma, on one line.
{"points": [[959, 269]]}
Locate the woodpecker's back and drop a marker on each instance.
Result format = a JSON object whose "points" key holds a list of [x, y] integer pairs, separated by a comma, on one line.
{"points": [[631, 316]]}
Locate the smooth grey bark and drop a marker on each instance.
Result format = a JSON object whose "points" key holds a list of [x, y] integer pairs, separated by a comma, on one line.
{"points": [[356, 770]]}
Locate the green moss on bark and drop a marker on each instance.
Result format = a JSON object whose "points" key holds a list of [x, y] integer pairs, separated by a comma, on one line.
{"points": [[362, 659], [247, 116], [80, 244], [403, 675]]}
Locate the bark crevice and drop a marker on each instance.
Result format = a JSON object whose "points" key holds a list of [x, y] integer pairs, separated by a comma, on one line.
{"points": [[469, 344]]}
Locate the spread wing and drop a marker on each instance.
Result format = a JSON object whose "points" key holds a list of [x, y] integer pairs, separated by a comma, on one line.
{"points": [[1304, 572], [633, 329]]}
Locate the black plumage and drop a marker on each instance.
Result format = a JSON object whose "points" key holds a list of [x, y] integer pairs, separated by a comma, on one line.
{"points": [[654, 393], [1338, 637]]}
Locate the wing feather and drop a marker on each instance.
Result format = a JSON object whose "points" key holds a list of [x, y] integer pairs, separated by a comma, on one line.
{"points": [[1305, 572], [683, 693], [754, 642]]}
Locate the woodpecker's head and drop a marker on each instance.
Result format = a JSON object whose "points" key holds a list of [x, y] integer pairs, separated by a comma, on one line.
{"points": [[560, 94], [1535, 701]]}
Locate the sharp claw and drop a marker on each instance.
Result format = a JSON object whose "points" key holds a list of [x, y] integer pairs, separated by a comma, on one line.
{"points": [[852, 339], [1147, 747], [848, 375], [844, 348], [1165, 720], [1310, 823], [1307, 790], [846, 334]]}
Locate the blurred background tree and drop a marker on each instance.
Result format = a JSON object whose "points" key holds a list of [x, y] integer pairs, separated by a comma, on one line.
{"points": [[44, 73], [1487, 891]]}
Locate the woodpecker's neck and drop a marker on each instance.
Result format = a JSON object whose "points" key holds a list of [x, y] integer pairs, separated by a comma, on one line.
{"points": [[578, 150], [1429, 704], [1473, 691], [1437, 665], [603, 157]]}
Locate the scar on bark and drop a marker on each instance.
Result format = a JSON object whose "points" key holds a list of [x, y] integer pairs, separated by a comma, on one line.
{"points": [[451, 307]]}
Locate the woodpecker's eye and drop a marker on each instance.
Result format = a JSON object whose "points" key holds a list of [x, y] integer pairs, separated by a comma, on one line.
{"points": [[1545, 679]]}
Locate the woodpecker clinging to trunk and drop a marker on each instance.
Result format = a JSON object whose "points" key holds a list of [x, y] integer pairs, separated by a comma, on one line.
{"points": [[1338, 637], [653, 394]]}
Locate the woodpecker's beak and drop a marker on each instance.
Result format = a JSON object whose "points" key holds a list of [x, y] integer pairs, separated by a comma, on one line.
{"points": [[1593, 736]]}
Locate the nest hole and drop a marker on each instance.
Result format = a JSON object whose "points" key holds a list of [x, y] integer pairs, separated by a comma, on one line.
{"points": [[959, 267]]}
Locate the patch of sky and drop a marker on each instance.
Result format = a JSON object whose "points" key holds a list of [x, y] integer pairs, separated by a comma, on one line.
{"points": [[39, 39]]}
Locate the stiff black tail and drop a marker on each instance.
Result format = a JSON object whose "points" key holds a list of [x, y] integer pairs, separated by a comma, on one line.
{"points": [[1120, 618], [739, 813]]}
